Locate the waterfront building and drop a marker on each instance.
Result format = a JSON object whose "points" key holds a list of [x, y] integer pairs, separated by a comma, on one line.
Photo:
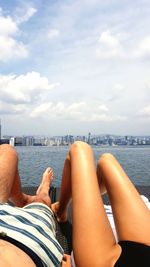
{"points": [[50, 142], [28, 141], [18, 141], [12, 141], [95, 140], [89, 138], [80, 138], [37, 141]]}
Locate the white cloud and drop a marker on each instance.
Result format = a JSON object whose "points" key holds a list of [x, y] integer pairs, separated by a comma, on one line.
{"points": [[10, 48], [145, 112], [103, 108], [53, 33], [118, 88], [109, 46], [24, 16], [116, 92], [109, 40], [26, 88], [106, 118], [80, 111], [143, 50], [73, 28], [58, 110], [7, 26], [11, 109], [76, 107], [44, 108]]}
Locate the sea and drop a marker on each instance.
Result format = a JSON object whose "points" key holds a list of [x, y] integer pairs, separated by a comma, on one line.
{"points": [[33, 160]]}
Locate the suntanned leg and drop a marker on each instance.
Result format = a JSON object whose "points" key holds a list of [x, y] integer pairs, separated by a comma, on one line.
{"points": [[60, 208], [132, 217], [93, 240]]}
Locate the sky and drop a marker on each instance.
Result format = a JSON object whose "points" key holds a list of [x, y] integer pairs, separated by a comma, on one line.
{"points": [[74, 67]]}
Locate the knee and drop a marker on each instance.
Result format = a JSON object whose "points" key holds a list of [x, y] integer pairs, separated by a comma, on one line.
{"points": [[109, 257], [77, 148], [79, 145], [105, 158], [5, 148], [67, 160]]}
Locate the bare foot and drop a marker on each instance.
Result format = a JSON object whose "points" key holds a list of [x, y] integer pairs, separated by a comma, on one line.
{"points": [[42, 193], [46, 182], [61, 216]]}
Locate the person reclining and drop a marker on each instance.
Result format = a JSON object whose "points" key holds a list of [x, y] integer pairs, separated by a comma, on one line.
{"points": [[94, 244], [27, 230]]}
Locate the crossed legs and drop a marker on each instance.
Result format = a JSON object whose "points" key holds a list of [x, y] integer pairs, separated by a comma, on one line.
{"points": [[93, 240], [10, 184]]}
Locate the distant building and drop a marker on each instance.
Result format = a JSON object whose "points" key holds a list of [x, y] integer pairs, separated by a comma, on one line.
{"points": [[12, 141], [28, 141], [4, 141], [18, 141], [89, 138], [37, 141]]}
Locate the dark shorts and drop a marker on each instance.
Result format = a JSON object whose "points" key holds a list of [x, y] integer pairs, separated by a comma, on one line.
{"points": [[133, 255]]}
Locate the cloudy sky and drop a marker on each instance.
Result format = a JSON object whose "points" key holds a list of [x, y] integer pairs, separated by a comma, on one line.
{"points": [[75, 66]]}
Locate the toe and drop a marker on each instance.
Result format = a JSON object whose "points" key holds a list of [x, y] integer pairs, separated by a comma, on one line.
{"points": [[49, 171]]}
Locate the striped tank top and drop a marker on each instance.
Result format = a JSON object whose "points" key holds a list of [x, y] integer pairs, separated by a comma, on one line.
{"points": [[33, 226]]}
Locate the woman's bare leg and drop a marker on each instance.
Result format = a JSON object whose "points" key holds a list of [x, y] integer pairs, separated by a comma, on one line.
{"points": [[132, 217], [60, 208], [93, 240]]}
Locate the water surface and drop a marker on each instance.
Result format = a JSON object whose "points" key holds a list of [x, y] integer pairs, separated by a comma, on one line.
{"points": [[34, 160]]}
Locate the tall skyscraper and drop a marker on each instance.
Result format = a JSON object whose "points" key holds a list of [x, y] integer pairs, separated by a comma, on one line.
{"points": [[89, 138]]}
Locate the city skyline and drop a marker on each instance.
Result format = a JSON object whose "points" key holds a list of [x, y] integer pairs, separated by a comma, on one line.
{"points": [[94, 140], [74, 67]]}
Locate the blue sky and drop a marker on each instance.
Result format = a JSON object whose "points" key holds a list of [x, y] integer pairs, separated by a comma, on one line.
{"points": [[73, 67]]}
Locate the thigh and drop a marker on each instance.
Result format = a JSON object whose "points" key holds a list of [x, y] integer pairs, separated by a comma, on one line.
{"points": [[131, 215], [8, 170]]}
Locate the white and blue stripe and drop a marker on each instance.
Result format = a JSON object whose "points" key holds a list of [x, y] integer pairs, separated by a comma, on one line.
{"points": [[34, 226]]}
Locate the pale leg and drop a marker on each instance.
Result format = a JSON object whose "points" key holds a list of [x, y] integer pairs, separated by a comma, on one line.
{"points": [[10, 183], [132, 217]]}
